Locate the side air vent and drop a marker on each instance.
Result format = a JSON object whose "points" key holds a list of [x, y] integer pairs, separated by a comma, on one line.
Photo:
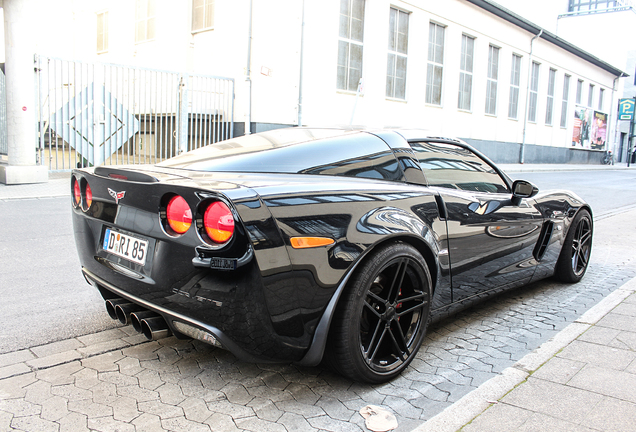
{"points": [[544, 240]]}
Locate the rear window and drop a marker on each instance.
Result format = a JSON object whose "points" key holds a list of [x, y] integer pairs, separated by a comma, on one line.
{"points": [[352, 154]]}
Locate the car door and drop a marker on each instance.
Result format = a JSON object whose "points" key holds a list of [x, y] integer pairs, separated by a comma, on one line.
{"points": [[491, 239]]}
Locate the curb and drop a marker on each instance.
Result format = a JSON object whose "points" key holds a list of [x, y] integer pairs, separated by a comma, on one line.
{"points": [[463, 411]]}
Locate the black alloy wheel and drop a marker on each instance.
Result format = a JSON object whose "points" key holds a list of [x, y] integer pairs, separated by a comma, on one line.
{"points": [[381, 320], [577, 248]]}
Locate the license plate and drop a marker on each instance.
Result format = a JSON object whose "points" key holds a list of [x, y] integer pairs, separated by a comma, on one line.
{"points": [[125, 246]]}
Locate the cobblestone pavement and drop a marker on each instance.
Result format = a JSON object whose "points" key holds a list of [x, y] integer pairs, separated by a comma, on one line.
{"points": [[114, 381]]}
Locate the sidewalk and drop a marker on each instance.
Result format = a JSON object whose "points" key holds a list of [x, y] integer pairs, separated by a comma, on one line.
{"points": [[583, 379]]}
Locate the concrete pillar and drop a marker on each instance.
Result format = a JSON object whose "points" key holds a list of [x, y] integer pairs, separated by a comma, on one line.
{"points": [[19, 39]]}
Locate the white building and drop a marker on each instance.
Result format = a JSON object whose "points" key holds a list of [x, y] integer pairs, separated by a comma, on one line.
{"points": [[464, 68]]}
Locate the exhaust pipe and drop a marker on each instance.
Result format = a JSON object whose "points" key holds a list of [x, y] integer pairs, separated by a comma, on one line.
{"points": [[137, 317], [111, 304], [155, 328], [123, 311]]}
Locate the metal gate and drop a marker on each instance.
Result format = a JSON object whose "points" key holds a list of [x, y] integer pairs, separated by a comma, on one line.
{"points": [[103, 114]]}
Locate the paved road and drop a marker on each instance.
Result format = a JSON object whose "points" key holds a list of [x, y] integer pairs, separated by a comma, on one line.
{"points": [[189, 386]]}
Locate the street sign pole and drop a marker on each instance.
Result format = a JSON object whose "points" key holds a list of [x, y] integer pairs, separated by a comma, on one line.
{"points": [[631, 138]]}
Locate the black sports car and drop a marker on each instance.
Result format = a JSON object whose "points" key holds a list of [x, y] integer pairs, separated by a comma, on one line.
{"points": [[298, 244]]}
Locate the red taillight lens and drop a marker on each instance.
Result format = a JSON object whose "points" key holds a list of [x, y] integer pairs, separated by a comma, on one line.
{"points": [[89, 196], [218, 222], [77, 193], [179, 214]]}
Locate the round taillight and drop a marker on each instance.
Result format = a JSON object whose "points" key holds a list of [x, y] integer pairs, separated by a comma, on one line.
{"points": [[218, 222], [89, 196], [179, 214], [77, 193]]}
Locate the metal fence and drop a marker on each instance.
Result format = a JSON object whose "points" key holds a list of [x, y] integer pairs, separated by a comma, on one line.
{"points": [[4, 141], [94, 114]]}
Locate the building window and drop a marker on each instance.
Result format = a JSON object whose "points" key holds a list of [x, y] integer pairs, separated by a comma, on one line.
{"points": [[579, 91], [466, 73], [590, 96], [202, 15], [550, 101], [398, 47], [435, 67], [515, 78], [102, 32], [144, 20], [591, 5], [601, 93], [491, 83], [564, 102], [534, 93], [350, 44]]}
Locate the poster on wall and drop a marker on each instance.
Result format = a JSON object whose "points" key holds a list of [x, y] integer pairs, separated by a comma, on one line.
{"points": [[582, 127], [599, 130]]}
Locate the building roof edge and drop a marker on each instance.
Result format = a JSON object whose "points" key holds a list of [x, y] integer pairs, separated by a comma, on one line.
{"points": [[530, 27]]}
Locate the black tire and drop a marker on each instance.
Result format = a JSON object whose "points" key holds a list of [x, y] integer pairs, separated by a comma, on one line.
{"points": [[381, 319], [577, 247]]}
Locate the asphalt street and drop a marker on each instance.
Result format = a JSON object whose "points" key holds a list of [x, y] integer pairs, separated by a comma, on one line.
{"points": [[46, 300]]}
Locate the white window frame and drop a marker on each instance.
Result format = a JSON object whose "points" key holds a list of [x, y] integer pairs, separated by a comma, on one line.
{"points": [[466, 66], [515, 87], [533, 96], [601, 93], [396, 55], [347, 71], [565, 101], [145, 20], [590, 96], [204, 9], [102, 38], [435, 63], [549, 106], [579, 91], [492, 80]]}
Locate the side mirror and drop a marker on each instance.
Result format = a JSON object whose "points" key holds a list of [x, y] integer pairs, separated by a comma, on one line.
{"points": [[523, 189]]}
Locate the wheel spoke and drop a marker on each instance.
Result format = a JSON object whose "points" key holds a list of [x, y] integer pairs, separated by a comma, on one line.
{"points": [[398, 350], [372, 309], [376, 297], [412, 298], [397, 279], [377, 346], [411, 309]]}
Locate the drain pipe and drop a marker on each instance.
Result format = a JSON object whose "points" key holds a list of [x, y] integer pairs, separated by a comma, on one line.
{"points": [[300, 78], [522, 151], [248, 78]]}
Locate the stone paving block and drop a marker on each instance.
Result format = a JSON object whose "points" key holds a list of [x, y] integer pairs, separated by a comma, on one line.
{"points": [[628, 309], [164, 411], [148, 423], [221, 423], [34, 424], [618, 384], [274, 395], [181, 424], [56, 348], [402, 408], [72, 393], [605, 417], [295, 422], [619, 322], [149, 379], [117, 378], [625, 341], [15, 357], [135, 339], [38, 392], [599, 335], [170, 394], [137, 393], [327, 423], [335, 409], [195, 409], [89, 408], [305, 410], [86, 378], [20, 407], [124, 409], [598, 355], [54, 359], [104, 362], [559, 370], [236, 394], [568, 403], [143, 351], [14, 387], [14, 370], [265, 409], [108, 424], [103, 347], [235, 411], [103, 336], [129, 366], [429, 392], [367, 393], [73, 422], [255, 424], [5, 421], [499, 417], [54, 408]]}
